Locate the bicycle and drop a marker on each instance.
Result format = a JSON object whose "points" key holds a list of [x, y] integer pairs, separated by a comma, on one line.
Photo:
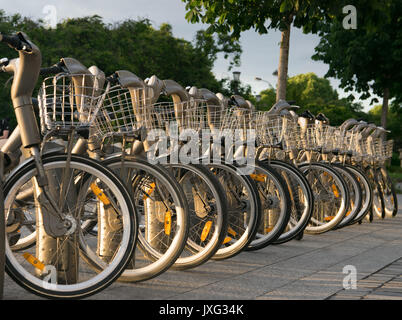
{"points": [[184, 112], [277, 140], [207, 214], [55, 266], [161, 238], [274, 197]]}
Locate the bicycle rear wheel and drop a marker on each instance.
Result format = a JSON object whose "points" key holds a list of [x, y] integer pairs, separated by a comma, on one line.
{"points": [[244, 209], [76, 264], [208, 214], [163, 216], [331, 197], [355, 194], [302, 203], [276, 204], [388, 192]]}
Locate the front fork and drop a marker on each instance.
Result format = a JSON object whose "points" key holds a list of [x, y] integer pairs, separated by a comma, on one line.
{"points": [[53, 227]]}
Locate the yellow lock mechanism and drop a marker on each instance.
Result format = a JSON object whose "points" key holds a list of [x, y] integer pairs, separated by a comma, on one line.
{"points": [[99, 193], [227, 239], [258, 177], [232, 232], [168, 222], [335, 191], [34, 261], [269, 229], [205, 230]]}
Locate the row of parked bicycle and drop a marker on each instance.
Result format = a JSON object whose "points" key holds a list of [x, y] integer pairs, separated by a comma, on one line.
{"points": [[132, 177]]}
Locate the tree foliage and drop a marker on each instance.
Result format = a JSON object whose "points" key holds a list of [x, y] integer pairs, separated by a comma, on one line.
{"points": [[366, 59], [233, 17], [394, 122], [131, 45], [316, 94]]}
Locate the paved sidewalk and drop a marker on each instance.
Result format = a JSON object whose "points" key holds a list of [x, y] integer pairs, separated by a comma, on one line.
{"points": [[312, 268]]}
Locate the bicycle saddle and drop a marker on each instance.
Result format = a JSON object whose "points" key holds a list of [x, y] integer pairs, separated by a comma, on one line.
{"points": [[75, 67], [322, 118], [280, 106], [178, 93], [308, 115], [347, 124], [239, 101]]}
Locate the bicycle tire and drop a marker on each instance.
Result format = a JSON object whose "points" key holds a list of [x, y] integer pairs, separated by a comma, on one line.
{"points": [[207, 229], [301, 213], [154, 257], [355, 194], [388, 193], [276, 203], [322, 219], [367, 193], [238, 236], [107, 269]]}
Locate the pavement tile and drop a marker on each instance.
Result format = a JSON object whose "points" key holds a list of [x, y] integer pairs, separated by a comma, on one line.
{"points": [[309, 269]]}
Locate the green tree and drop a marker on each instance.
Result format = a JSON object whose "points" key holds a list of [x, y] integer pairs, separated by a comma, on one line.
{"points": [[394, 121], [366, 59], [316, 94], [233, 17], [133, 45]]}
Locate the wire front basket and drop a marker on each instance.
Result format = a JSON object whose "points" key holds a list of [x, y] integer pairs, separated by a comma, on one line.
{"points": [[272, 129], [69, 101], [121, 112]]}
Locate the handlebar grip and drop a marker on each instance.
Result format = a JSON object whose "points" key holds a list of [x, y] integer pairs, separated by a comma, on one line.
{"points": [[51, 70], [113, 79], [15, 42]]}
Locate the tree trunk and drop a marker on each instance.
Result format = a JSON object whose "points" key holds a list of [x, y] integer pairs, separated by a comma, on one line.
{"points": [[283, 65], [384, 110]]}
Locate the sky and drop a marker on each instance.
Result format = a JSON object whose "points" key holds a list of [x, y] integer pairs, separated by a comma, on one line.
{"points": [[260, 55]]}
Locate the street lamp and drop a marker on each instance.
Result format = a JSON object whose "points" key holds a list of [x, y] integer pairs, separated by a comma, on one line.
{"points": [[236, 76], [259, 79], [236, 80]]}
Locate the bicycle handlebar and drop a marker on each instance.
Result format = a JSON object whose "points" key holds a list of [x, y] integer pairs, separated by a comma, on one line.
{"points": [[16, 42], [51, 70]]}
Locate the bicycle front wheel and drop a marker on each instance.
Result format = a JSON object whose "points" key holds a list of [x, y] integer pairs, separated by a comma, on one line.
{"points": [[331, 197], [355, 194], [75, 264], [388, 192], [162, 214], [301, 196], [244, 209], [208, 214]]}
